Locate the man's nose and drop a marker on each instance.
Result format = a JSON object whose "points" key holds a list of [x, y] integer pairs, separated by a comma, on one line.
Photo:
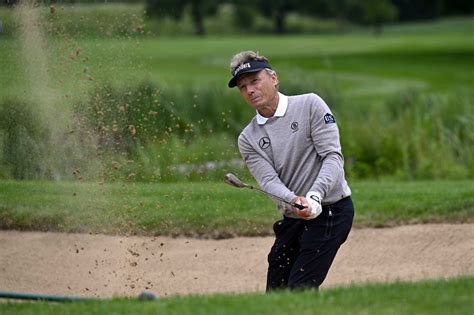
{"points": [[249, 90]]}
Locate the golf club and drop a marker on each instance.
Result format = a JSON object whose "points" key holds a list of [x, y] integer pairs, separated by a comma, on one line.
{"points": [[233, 180]]}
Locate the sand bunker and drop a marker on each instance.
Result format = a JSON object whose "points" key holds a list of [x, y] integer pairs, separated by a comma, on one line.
{"points": [[108, 266]]}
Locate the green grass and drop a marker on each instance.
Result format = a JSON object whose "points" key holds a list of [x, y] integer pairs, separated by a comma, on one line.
{"points": [[434, 58], [392, 203], [436, 61], [428, 297], [211, 208], [403, 99]]}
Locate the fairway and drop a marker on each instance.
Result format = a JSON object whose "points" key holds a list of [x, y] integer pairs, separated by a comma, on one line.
{"points": [[433, 62]]}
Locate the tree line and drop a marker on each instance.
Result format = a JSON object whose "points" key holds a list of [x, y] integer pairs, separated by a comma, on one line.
{"points": [[373, 13], [365, 12]]}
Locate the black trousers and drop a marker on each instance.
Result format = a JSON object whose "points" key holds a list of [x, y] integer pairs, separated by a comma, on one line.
{"points": [[305, 249]]}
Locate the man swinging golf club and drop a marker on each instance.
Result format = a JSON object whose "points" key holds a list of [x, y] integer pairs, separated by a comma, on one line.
{"points": [[292, 149]]}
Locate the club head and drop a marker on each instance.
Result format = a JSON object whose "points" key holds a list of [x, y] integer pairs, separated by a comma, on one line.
{"points": [[231, 179]]}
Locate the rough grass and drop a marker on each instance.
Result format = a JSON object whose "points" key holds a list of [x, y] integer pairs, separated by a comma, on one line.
{"points": [[426, 297], [211, 209]]}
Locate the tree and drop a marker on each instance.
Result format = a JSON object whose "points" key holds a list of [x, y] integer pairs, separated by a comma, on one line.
{"points": [[340, 10], [244, 13], [411, 10], [199, 9], [458, 7], [8, 2], [276, 10], [372, 12]]}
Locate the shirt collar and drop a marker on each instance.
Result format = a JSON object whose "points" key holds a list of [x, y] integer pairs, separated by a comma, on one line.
{"points": [[280, 111]]}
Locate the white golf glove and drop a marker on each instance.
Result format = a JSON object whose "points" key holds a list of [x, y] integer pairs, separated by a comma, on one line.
{"points": [[314, 200]]}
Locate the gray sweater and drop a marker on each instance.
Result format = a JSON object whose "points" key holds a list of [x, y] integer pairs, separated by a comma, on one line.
{"points": [[296, 151]]}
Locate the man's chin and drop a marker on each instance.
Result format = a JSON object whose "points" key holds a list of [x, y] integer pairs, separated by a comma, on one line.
{"points": [[258, 104]]}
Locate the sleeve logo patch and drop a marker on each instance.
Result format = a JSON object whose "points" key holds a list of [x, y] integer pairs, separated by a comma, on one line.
{"points": [[329, 119]]}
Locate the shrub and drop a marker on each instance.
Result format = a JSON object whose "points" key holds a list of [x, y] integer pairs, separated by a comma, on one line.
{"points": [[23, 141], [126, 117], [411, 136], [146, 133]]}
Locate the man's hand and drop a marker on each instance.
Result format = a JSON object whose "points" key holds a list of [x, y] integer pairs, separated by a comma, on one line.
{"points": [[314, 200], [304, 213], [312, 204]]}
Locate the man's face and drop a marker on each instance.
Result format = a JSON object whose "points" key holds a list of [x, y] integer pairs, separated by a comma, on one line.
{"points": [[259, 90]]}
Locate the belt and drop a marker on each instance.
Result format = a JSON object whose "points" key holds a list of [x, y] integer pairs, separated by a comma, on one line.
{"points": [[329, 207]]}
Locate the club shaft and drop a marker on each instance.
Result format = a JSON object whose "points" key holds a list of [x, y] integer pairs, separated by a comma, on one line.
{"points": [[233, 180], [276, 197]]}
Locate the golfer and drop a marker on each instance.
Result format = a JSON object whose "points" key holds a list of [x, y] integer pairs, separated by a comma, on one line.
{"points": [[292, 149]]}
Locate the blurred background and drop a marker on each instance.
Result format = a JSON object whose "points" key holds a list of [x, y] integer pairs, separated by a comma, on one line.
{"points": [[136, 90], [116, 118]]}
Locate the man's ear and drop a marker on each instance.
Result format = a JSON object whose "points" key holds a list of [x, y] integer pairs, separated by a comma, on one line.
{"points": [[275, 79]]}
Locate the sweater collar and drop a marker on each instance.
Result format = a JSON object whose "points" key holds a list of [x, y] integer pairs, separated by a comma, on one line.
{"points": [[280, 111]]}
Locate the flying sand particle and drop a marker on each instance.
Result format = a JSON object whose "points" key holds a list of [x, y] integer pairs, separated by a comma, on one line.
{"points": [[132, 130]]}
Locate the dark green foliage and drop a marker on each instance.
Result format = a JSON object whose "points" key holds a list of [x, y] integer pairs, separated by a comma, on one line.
{"points": [[372, 12], [458, 7], [244, 14], [410, 135], [147, 134], [8, 2], [172, 135], [124, 118], [199, 9], [170, 131], [23, 141], [412, 10], [419, 9], [114, 115], [161, 8]]}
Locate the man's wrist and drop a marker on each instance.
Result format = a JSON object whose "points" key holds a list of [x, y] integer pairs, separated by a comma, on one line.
{"points": [[314, 199], [314, 196]]}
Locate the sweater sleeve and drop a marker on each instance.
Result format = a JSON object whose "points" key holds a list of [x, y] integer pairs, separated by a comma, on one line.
{"points": [[263, 171], [325, 137]]}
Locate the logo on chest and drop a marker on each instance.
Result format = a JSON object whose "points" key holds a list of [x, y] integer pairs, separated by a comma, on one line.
{"points": [[294, 126], [264, 143]]}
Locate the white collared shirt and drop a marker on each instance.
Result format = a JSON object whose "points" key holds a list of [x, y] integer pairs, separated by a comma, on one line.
{"points": [[280, 111]]}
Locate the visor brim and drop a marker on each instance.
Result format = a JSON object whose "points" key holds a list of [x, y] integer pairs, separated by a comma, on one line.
{"points": [[233, 82]]}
